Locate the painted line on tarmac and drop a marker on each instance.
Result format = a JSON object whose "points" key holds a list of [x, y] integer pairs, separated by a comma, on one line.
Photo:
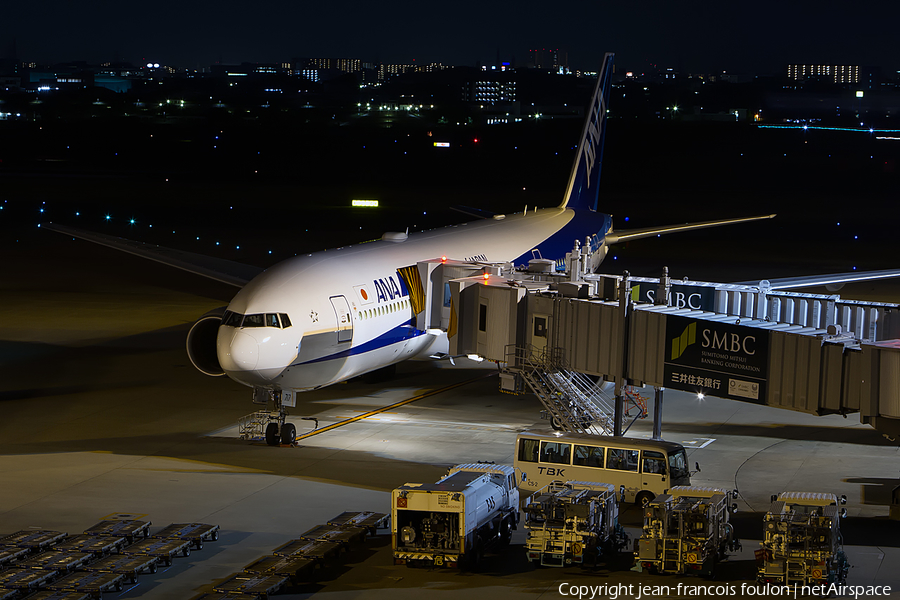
{"points": [[389, 407]]}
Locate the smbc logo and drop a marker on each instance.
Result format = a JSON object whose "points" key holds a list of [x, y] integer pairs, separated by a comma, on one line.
{"points": [[687, 337]]}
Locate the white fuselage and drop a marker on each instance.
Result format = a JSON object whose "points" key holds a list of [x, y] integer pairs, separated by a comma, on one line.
{"points": [[349, 312]]}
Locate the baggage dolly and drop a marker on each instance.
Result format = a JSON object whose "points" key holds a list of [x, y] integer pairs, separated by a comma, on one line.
{"points": [[195, 533], [334, 533], [25, 579], [129, 565], [244, 583], [367, 519], [60, 561], [129, 529], [293, 567], [91, 583], [320, 549], [36, 540], [164, 550], [95, 545]]}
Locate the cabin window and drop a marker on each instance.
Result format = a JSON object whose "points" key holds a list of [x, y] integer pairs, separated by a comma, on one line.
{"points": [[588, 456], [622, 460], [653, 462], [555, 452], [528, 450]]}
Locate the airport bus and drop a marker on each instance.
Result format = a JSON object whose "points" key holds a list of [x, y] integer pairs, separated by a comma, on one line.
{"points": [[644, 467]]}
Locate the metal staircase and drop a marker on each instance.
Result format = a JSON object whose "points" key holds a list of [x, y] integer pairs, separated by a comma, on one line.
{"points": [[572, 401]]}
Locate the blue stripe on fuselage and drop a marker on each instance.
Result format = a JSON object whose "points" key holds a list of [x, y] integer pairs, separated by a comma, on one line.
{"points": [[585, 223], [400, 333]]}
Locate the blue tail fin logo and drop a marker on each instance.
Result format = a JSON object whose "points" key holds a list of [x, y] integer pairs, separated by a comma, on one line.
{"points": [[584, 181]]}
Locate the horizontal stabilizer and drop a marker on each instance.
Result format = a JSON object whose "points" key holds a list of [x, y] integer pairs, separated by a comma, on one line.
{"points": [[226, 271], [833, 279], [617, 237]]}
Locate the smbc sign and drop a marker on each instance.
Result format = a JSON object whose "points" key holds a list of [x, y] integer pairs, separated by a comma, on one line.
{"points": [[719, 359]]}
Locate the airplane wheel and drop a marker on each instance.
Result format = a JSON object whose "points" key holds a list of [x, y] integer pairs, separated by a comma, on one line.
{"points": [[288, 434], [272, 434]]}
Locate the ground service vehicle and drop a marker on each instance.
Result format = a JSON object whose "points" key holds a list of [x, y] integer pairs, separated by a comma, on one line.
{"points": [[644, 468], [572, 523], [802, 542], [686, 531], [454, 521]]}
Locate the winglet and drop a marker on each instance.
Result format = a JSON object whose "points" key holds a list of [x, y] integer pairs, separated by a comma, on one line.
{"points": [[584, 181]]}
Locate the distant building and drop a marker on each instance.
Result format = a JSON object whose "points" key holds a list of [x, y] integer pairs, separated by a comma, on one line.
{"points": [[386, 71], [548, 59], [837, 73], [489, 91]]}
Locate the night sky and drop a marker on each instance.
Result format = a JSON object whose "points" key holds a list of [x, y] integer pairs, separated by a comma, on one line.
{"points": [[703, 36]]}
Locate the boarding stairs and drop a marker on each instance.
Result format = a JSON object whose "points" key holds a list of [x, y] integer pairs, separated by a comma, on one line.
{"points": [[572, 401]]}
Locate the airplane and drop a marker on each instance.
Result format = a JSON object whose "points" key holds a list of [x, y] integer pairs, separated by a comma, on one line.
{"points": [[315, 320]]}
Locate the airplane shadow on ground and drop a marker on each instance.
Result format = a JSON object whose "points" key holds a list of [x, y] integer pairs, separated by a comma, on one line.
{"points": [[813, 433], [877, 491]]}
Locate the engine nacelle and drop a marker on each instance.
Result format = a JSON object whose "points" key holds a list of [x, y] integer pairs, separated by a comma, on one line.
{"points": [[201, 343]]}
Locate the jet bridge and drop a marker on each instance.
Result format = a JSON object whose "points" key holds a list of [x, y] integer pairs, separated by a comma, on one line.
{"points": [[570, 337]]}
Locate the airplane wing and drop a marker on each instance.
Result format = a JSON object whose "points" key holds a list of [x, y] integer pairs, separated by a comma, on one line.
{"points": [[834, 279], [226, 271], [626, 235]]}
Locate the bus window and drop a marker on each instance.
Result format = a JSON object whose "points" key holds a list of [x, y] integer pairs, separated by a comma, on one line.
{"points": [[588, 456], [555, 452], [622, 460], [653, 462], [528, 450], [678, 468]]}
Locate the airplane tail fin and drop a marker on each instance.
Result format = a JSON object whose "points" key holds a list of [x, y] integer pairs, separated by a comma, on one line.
{"points": [[584, 181]]}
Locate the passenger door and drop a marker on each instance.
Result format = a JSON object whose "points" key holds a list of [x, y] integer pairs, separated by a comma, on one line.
{"points": [[344, 318]]}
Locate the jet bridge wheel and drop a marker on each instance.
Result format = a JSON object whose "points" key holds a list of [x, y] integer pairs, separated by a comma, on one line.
{"points": [[288, 434], [272, 436]]}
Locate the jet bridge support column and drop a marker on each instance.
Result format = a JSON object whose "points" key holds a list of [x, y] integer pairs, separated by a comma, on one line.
{"points": [[619, 414], [657, 413]]}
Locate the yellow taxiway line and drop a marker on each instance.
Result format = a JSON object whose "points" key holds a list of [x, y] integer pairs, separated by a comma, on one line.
{"points": [[386, 408]]}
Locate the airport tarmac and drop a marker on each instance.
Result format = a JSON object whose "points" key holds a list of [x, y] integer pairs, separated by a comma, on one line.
{"points": [[101, 413]]}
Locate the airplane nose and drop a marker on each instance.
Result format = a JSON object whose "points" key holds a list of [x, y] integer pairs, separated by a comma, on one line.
{"points": [[244, 351], [238, 352]]}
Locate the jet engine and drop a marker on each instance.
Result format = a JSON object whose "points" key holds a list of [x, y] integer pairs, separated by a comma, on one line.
{"points": [[201, 342]]}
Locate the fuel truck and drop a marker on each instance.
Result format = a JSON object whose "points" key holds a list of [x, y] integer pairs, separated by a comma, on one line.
{"points": [[802, 542], [454, 521], [686, 531]]}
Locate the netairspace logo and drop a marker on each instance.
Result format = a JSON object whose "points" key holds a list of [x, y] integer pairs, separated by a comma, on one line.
{"points": [[652, 592]]}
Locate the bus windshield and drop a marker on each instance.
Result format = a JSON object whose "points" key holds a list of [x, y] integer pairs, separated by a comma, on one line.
{"points": [[678, 465]]}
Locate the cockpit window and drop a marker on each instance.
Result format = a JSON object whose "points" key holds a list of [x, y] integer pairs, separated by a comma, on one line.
{"points": [[232, 319], [254, 321]]}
